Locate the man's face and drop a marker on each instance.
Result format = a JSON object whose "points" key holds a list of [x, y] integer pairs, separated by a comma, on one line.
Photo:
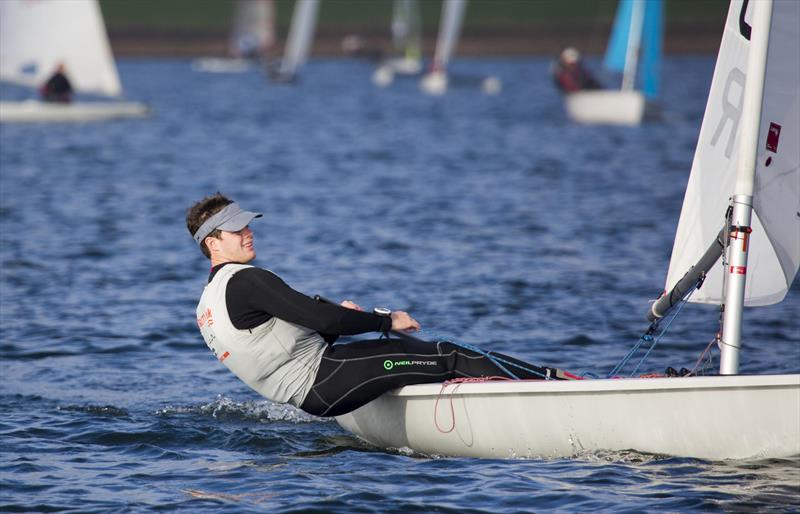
{"points": [[236, 246]]}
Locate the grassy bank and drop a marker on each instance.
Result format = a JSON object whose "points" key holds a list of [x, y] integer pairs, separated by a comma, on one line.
{"points": [[194, 27]]}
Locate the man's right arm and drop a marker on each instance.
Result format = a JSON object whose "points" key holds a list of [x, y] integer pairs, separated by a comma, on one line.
{"points": [[254, 295]]}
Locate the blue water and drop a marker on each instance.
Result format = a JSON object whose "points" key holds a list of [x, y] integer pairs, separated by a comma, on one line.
{"points": [[492, 220]]}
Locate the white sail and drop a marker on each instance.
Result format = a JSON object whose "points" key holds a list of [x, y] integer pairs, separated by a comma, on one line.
{"points": [[774, 254], [253, 31], [37, 35], [435, 82], [301, 34], [452, 18], [407, 36]]}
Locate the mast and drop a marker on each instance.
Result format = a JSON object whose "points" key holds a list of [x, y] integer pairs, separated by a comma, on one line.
{"points": [[634, 41], [742, 200]]}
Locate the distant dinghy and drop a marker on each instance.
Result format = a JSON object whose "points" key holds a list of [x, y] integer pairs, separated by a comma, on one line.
{"points": [[435, 81], [36, 36], [635, 49], [406, 58], [756, 162], [251, 40], [299, 40]]}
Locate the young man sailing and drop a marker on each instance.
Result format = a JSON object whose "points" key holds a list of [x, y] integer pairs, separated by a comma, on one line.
{"points": [[280, 342]]}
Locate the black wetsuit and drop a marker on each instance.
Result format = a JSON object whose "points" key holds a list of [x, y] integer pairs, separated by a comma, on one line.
{"points": [[57, 89], [354, 373]]}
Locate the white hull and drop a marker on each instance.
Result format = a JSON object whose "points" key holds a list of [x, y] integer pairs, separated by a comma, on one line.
{"points": [[405, 66], [722, 417], [612, 107], [222, 65], [434, 83], [34, 111]]}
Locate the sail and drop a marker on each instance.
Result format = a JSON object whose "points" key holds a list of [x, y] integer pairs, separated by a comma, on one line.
{"points": [[617, 49], [301, 34], [637, 34], [774, 247], [406, 29], [652, 37], [35, 36], [253, 31], [449, 30]]}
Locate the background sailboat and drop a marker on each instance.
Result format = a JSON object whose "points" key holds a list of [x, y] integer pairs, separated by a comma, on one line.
{"points": [[252, 38], [37, 36], [406, 57], [435, 81], [751, 126], [635, 49], [298, 43]]}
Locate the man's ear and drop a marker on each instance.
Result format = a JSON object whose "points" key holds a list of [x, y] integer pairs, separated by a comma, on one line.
{"points": [[211, 243]]}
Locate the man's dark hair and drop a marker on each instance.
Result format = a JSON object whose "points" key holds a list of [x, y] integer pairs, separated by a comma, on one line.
{"points": [[201, 211]]}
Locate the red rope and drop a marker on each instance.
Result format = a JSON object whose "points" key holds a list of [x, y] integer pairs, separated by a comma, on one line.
{"points": [[456, 382]]}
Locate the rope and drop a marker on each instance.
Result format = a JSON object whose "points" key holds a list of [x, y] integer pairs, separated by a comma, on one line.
{"points": [[700, 359], [647, 337], [457, 383]]}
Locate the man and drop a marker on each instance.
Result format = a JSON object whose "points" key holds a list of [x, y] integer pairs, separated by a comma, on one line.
{"points": [[570, 75], [58, 87], [280, 341]]}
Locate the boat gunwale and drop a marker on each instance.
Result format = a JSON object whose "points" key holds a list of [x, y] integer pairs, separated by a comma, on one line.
{"points": [[626, 385]]}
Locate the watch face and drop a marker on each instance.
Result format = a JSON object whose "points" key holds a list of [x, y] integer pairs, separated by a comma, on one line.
{"points": [[382, 311]]}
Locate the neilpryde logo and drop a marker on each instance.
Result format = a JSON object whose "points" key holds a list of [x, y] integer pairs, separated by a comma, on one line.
{"points": [[388, 364]]}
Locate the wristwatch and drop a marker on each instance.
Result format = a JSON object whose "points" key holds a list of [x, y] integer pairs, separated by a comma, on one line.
{"points": [[382, 311]]}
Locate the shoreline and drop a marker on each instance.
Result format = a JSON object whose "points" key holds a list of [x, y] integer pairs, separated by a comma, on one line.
{"points": [[688, 38]]}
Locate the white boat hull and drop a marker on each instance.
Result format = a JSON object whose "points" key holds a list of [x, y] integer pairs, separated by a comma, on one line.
{"points": [[34, 111], [434, 83], [722, 417], [612, 107], [222, 65]]}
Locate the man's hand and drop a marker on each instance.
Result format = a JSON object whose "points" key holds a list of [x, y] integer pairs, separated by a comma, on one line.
{"points": [[351, 305], [401, 321]]}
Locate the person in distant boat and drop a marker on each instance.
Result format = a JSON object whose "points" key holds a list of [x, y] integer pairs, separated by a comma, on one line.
{"points": [[58, 87], [280, 342], [354, 45], [571, 75]]}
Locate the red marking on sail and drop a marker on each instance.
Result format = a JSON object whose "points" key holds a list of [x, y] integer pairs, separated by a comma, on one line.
{"points": [[224, 356], [773, 135], [738, 270]]}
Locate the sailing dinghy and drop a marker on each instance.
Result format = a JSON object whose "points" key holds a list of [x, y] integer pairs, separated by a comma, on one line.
{"points": [[406, 41], [635, 49], [435, 81], [36, 36], [251, 39], [748, 150], [298, 44]]}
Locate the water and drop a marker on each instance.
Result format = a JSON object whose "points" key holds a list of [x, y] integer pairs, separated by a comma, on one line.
{"points": [[491, 219]]}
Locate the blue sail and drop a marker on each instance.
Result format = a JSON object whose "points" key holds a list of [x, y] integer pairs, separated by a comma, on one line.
{"points": [[618, 44], [651, 52]]}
